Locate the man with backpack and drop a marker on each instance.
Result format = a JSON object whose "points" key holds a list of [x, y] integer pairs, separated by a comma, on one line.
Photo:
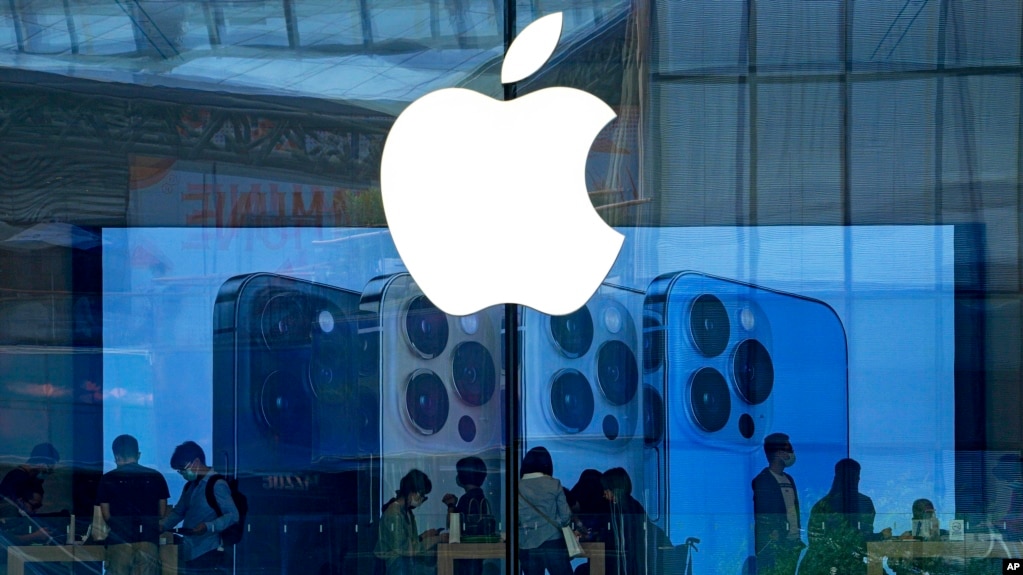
{"points": [[203, 525]]}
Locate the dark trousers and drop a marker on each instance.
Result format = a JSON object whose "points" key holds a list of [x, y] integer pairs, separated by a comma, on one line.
{"points": [[211, 563], [551, 555]]}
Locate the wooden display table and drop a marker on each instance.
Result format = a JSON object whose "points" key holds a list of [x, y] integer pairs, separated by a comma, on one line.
{"points": [[448, 552], [17, 557], [911, 549]]}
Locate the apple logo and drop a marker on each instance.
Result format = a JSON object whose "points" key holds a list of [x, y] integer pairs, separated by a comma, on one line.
{"points": [[486, 199]]}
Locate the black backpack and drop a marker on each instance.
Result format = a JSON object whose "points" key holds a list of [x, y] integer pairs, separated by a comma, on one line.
{"points": [[233, 534]]}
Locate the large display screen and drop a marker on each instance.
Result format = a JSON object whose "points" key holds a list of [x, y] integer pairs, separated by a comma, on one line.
{"points": [[860, 338]]}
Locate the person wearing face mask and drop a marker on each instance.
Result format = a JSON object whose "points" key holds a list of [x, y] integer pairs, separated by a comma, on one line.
{"points": [[40, 464], [399, 544], [777, 542], [840, 525], [201, 549]]}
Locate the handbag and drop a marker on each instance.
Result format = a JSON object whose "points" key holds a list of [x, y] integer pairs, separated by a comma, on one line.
{"points": [[571, 542], [99, 529], [479, 524]]}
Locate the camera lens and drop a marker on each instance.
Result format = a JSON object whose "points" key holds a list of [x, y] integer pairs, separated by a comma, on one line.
{"points": [[746, 425], [708, 324], [653, 344], [573, 333], [572, 400], [617, 374], [285, 405], [426, 327], [473, 371], [285, 322], [709, 399], [427, 402], [466, 429], [653, 416], [611, 427], [753, 371]]}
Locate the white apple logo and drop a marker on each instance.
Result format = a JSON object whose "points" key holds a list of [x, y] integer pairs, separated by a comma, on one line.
{"points": [[486, 199]]}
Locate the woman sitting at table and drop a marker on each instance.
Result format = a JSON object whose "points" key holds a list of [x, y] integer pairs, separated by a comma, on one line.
{"points": [[404, 550]]}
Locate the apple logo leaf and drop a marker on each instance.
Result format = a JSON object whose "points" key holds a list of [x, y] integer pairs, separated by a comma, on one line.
{"points": [[531, 48]]}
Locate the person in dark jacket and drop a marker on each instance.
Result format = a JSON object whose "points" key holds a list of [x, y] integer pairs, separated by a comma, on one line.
{"points": [[473, 509], [777, 539], [627, 542]]}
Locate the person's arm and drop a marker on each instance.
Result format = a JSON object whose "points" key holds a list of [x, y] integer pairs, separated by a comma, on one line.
{"points": [[230, 516], [162, 508], [564, 512], [175, 514], [105, 508]]}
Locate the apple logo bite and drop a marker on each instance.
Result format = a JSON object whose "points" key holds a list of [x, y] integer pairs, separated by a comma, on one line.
{"points": [[486, 199]]}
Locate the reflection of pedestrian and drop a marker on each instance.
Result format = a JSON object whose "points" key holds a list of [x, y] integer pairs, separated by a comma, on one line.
{"points": [[133, 498], [543, 511], [841, 523], [776, 510]]}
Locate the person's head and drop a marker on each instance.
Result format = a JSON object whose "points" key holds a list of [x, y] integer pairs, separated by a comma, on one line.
{"points": [[126, 449], [537, 460], [923, 509], [43, 459], [847, 477], [588, 491], [414, 488], [778, 447], [30, 495], [189, 460], [617, 484], [470, 471]]}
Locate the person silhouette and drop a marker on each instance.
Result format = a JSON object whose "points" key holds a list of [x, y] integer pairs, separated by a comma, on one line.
{"points": [[777, 541], [840, 525]]}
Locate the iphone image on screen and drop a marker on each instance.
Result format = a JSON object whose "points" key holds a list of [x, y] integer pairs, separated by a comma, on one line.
{"points": [[581, 386], [440, 391], [733, 363]]}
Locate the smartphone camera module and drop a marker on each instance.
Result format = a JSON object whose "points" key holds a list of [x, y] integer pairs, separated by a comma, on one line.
{"points": [[753, 371], [572, 400], [573, 333], [473, 372], [617, 374], [334, 362], [426, 327], [709, 399], [709, 325], [426, 402]]}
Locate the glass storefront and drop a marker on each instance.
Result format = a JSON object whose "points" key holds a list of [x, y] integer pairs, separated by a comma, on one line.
{"points": [[805, 358]]}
